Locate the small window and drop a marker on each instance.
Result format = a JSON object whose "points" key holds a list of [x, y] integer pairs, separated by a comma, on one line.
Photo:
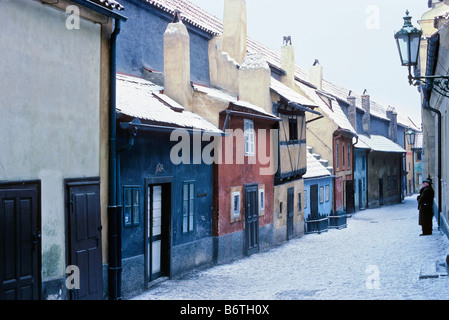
{"points": [[131, 207], [249, 137], [299, 202], [327, 193], [305, 199], [236, 205], [343, 155], [395, 182], [349, 156], [293, 128], [188, 208], [338, 156], [321, 194], [389, 183], [261, 200]]}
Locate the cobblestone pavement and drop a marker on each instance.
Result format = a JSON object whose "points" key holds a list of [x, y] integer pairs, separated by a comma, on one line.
{"points": [[380, 255]]}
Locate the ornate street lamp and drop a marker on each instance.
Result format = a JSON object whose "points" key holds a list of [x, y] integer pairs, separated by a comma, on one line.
{"points": [[411, 135], [408, 42], [408, 39]]}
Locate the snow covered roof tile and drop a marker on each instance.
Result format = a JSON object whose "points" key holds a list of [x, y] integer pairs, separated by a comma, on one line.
{"points": [[336, 114], [291, 94], [379, 143], [224, 96], [314, 168], [142, 99]]}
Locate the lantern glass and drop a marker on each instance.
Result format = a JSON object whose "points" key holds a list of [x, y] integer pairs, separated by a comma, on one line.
{"points": [[410, 137], [408, 40]]}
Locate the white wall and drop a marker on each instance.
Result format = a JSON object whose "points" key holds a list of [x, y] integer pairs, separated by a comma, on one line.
{"points": [[49, 110]]}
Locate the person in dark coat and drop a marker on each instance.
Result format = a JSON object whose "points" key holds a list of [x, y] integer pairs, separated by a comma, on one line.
{"points": [[425, 207]]}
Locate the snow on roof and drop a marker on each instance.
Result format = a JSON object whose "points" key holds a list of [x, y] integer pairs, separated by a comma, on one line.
{"points": [[336, 114], [290, 94], [227, 97], [379, 143], [207, 22], [314, 168], [142, 99]]}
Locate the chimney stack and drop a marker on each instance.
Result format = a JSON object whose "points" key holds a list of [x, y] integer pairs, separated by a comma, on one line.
{"points": [[255, 82], [393, 126], [177, 63], [234, 29], [352, 111], [316, 75], [366, 119], [288, 62]]}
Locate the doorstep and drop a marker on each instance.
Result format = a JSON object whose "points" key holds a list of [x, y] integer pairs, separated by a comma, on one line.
{"points": [[434, 270]]}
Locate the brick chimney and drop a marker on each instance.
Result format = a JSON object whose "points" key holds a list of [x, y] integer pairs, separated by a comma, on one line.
{"points": [[177, 63], [352, 111], [288, 62], [366, 119], [393, 126], [316, 75], [234, 29]]}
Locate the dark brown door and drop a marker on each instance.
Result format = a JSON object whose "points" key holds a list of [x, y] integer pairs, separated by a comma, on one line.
{"points": [[314, 201], [251, 219], [20, 241], [350, 196], [290, 212], [84, 246]]}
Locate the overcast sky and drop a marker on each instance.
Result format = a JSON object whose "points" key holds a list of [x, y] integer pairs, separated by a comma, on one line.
{"points": [[352, 39]]}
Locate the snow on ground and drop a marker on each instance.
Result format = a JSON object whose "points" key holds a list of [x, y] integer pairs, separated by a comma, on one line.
{"points": [[378, 256]]}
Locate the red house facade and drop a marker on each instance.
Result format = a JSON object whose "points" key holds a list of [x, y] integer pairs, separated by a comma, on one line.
{"points": [[243, 183]]}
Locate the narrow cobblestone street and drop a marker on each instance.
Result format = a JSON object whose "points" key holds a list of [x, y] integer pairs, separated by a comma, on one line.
{"points": [[379, 255]]}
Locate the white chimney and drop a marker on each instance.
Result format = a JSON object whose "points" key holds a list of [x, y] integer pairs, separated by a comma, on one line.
{"points": [[316, 75], [177, 63], [234, 29], [288, 62]]}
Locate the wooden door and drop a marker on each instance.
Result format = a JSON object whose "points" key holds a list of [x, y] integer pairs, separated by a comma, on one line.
{"points": [[360, 194], [157, 232], [20, 253], [290, 212], [314, 201], [381, 192], [350, 196], [251, 219], [84, 237]]}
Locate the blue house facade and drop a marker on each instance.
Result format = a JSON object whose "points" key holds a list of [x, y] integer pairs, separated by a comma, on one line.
{"points": [[165, 195], [318, 191], [140, 50]]}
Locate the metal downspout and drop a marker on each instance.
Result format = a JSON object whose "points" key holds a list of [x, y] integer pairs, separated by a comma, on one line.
{"points": [[114, 211]]}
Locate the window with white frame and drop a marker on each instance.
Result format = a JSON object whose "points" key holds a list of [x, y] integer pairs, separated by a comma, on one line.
{"points": [[188, 210], [249, 137], [327, 193]]}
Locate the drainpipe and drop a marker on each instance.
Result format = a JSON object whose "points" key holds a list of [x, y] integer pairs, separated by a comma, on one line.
{"points": [[114, 211]]}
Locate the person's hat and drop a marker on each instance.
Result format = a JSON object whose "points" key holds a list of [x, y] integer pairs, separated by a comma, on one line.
{"points": [[428, 180]]}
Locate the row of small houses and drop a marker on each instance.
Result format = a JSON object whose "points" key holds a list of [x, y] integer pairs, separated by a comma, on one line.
{"points": [[142, 147]]}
